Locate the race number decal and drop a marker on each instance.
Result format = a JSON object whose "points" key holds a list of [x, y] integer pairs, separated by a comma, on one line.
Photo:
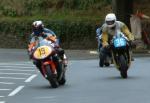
{"points": [[42, 52], [119, 42]]}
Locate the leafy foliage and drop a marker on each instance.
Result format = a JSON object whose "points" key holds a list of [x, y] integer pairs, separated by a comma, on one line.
{"points": [[72, 35], [45, 7], [74, 21]]}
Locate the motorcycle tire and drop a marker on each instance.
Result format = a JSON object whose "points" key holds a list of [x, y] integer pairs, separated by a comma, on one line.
{"points": [[107, 64], [123, 67], [63, 80], [101, 61], [51, 78]]}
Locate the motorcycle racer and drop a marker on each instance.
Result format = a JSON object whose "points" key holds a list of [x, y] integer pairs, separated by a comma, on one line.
{"points": [[39, 33], [111, 26]]}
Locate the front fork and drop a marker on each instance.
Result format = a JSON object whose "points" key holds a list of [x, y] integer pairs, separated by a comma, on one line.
{"points": [[52, 68]]}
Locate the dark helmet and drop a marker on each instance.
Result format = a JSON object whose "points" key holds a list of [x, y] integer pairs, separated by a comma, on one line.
{"points": [[37, 27]]}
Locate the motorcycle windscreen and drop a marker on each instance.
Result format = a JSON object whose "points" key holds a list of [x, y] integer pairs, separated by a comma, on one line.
{"points": [[119, 42], [42, 52]]}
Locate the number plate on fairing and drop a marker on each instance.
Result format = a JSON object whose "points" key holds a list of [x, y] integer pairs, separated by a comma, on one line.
{"points": [[119, 42], [42, 52]]}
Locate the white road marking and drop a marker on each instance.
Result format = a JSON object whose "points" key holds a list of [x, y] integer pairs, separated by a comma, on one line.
{"points": [[30, 78], [2, 96], [14, 92], [17, 70], [5, 66], [6, 83], [5, 89], [2, 101], [93, 52], [15, 73], [11, 78], [16, 64]]}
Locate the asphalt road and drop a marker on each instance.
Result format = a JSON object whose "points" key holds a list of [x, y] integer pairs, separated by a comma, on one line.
{"points": [[20, 81]]}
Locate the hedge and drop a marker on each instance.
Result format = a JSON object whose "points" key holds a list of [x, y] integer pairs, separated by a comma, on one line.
{"points": [[72, 34], [44, 7]]}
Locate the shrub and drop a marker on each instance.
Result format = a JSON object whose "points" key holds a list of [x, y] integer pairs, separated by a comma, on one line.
{"points": [[73, 35]]}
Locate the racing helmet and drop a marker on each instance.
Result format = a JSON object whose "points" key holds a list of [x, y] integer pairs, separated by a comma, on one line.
{"points": [[37, 27], [110, 20]]}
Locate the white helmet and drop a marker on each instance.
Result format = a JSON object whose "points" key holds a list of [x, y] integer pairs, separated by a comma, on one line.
{"points": [[37, 27], [110, 20], [37, 23]]}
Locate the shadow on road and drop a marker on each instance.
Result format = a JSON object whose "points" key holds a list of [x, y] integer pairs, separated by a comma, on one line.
{"points": [[120, 78], [45, 87]]}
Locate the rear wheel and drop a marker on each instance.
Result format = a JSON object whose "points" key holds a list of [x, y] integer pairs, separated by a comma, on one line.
{"points": [[123, 67], [52, 78], [63, 80]]}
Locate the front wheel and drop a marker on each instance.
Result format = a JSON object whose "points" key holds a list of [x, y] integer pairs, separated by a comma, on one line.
{"points": [[107, 64], [123, 67], [52, 78], [123, 74]]}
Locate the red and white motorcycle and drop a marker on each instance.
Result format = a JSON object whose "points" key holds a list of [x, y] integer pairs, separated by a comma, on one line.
{"points": [[51, 69]]}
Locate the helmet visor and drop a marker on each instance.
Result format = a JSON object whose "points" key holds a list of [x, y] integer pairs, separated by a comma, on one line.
{"points": [[37, 31], [110, 22]]}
